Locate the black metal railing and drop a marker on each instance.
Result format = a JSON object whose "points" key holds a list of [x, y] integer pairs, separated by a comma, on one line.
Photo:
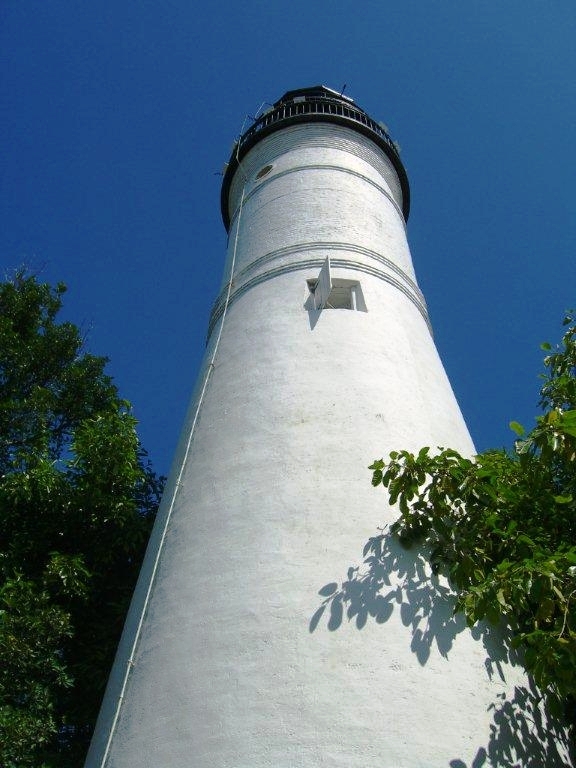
{"points": [[288, 110], [318, 104]]}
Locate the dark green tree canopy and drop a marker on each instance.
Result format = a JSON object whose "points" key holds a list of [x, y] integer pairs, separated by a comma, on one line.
{"points": [[77, 500]]}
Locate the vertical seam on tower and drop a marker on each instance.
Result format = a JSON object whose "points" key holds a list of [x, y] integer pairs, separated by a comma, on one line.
{"points": [[210, 368]]}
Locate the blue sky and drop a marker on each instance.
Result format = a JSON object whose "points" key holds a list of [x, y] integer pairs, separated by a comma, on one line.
{"points": [[119, 116]]}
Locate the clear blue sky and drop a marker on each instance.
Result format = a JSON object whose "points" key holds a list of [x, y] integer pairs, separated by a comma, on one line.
{"points": [[119, 115]]}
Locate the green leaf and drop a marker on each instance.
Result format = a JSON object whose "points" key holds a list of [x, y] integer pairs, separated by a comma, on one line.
{"points": [[563, 499], [569, 418], [517, 428]]}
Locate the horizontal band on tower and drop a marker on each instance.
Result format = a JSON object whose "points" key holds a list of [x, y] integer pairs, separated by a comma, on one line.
{"points": [[320, 245], [317, 167], [315, 264]]}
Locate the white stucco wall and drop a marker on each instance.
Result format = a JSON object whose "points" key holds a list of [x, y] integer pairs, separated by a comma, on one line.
{"points": [[237, 665]]}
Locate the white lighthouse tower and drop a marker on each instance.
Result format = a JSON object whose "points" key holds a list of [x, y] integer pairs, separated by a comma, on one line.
{"points": [[265, 632]]}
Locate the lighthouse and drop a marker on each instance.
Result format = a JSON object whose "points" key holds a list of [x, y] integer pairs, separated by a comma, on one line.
{"points": [[275, 624]]}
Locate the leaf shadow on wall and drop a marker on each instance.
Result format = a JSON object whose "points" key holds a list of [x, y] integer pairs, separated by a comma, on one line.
{"points": [[393, 578], [520, 736]]}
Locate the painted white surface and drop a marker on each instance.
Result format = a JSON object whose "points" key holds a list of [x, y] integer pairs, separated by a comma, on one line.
{"points": [[235, 667]]}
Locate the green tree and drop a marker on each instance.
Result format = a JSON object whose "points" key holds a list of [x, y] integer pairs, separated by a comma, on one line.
{"points": [[502, 526], [77, 501]]}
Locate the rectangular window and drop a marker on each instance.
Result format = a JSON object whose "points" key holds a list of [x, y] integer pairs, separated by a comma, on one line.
{"points": [[343, 294], [327, 292]]}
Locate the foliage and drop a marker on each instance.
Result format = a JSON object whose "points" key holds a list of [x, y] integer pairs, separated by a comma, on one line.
{"points": [[77, 500], [502, 526]]}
